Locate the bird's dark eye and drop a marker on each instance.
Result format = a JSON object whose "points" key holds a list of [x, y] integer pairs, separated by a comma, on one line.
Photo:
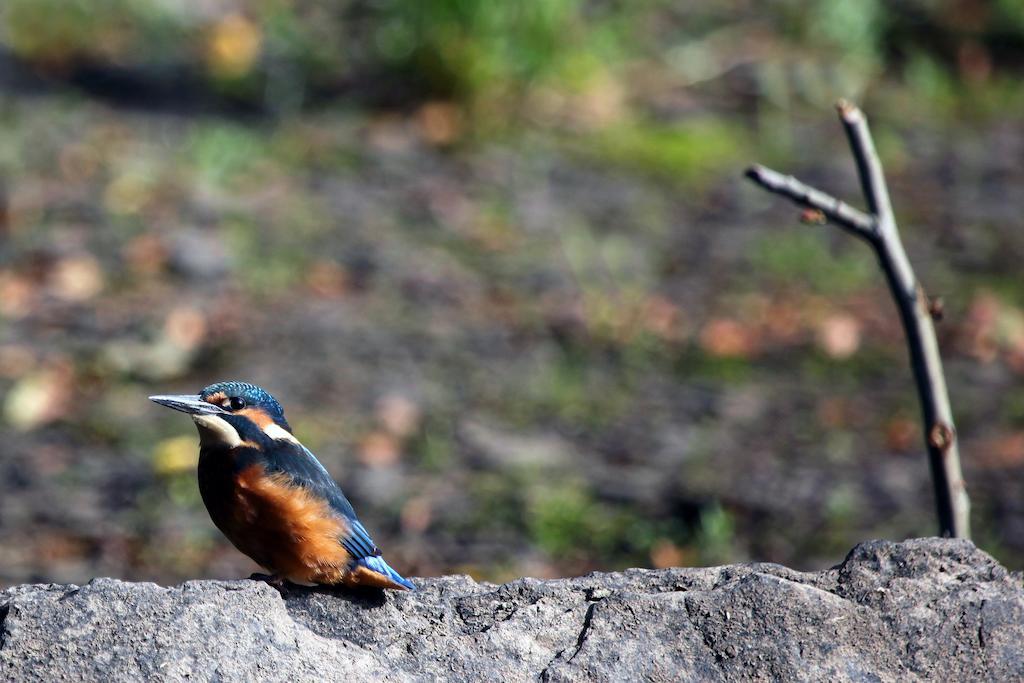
{"points": [[236, 403]]}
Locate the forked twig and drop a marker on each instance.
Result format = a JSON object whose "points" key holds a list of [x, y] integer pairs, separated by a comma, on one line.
{"points": [[878, 228]]}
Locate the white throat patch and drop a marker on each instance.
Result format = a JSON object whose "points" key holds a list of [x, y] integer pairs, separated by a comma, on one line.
{"points": [[215, 431], [276, 431]]}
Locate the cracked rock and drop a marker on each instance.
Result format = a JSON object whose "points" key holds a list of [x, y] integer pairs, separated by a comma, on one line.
{"points": [[927, 609]]}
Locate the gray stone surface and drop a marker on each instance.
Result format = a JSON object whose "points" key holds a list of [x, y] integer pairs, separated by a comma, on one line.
{"points": [[922, 609]]}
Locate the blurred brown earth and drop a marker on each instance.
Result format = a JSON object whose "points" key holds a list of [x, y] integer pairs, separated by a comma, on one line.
{"points": [[543, 351]]}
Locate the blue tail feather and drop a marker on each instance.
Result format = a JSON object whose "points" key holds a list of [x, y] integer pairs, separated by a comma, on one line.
{"points": [[378, 565]]}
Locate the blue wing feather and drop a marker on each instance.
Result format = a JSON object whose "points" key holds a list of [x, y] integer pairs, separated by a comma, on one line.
{"points": [[377, 564], [298, 463]]}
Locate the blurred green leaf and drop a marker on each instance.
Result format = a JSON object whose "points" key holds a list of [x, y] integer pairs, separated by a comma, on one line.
{"points": [[685, 153]]}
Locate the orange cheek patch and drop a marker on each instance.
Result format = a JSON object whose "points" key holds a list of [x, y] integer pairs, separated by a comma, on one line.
{"points": [[216, 399], [287, 529], [257, 416]]}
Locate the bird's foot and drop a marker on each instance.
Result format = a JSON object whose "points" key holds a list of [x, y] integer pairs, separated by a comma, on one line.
{"points": [[274, 580]]}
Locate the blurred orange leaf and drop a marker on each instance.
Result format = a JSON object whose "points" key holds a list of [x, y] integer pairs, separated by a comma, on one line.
{"points": [[39, 397], [16, 294], [1002, 451], [666, 554], [77, 278], [327, 279], [440, 123], [379, 449], [185, 327], [417, 514], [398, 414], [663, 318], [834, 412], [16, 360], [902, 434], [726, 338], [839, 335], [233, 46], [145, 254]]}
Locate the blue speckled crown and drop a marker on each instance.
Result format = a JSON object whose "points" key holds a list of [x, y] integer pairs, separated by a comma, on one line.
{"points": [[253, 395]]}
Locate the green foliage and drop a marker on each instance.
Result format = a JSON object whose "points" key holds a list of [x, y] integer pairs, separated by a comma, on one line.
{"points": [[693, 364], [507, 64], [55, 31], [572, 391], [565, 520], [497, 503], [851, 29], [928, 78], [559, 518], [687, 152], [434, 444], [1009, 14], [803, 256], [469, 48], [716, 535], [223, 153], [1012, 407]]}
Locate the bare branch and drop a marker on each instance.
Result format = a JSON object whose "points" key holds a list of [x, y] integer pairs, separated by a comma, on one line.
{"points": [[869, 167], [845, 216], [916, 312], [943, 453]]}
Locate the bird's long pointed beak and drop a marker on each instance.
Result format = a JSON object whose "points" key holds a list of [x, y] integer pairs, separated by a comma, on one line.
{"points": [[188, 403]]}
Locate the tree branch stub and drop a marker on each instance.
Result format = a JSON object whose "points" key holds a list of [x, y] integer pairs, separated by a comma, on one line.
{"points": [[917, 312]]}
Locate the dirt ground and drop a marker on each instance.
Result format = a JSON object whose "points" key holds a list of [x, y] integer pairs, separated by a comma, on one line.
{"points": [[536, 355]]}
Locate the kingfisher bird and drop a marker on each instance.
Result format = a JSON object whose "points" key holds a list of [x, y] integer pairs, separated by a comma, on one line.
{"points": [[270, 495]]}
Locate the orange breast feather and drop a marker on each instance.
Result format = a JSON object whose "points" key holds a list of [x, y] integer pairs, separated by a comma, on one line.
{"points": [[287, 529]]}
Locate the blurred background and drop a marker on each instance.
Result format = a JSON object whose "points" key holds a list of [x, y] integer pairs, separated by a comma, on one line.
{"points": [[498, 263]]}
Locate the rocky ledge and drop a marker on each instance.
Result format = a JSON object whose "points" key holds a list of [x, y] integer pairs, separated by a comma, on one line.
{"points": [[921, 609]]}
